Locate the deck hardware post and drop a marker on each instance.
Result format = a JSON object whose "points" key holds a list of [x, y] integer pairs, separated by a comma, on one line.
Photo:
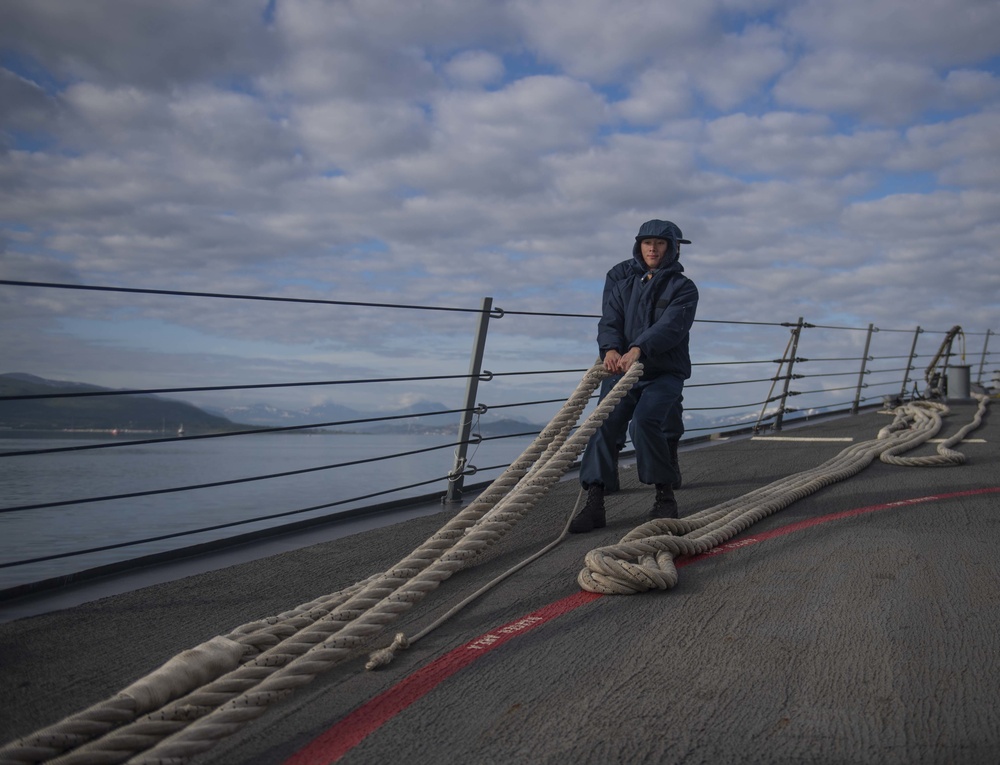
{"points": [[796, 334], [909, 364], [982, 358], [457, 475], [861, 374], [946, 354]]}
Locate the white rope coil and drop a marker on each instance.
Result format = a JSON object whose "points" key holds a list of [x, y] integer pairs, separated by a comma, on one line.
{"points": [[644, 558]]}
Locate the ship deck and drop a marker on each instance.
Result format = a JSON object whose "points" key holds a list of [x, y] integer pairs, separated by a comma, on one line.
{"points": [[861, 624]]}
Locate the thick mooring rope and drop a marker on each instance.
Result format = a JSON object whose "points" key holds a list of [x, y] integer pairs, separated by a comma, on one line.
{"points": [[211, 691], [383, 656], [644, 558]]}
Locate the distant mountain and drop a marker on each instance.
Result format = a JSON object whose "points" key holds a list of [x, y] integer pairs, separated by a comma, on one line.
{"points": [[318, 416], [123, 413], [145, 413], [269, 416], [416, 418]]}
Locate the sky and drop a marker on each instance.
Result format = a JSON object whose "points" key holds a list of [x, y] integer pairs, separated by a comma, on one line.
{"points": [[838, 161]]}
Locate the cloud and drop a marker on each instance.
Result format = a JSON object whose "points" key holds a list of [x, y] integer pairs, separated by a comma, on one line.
{"points": [[537, 114], [656, 95], [969, 87], [884, 62], [865, 86], [940, 33], [932, 224], [24, 106], [824, 158], [489, 143], [739, 67], [600, 39], [346, 134], [794, 145], [963, 152], [142, 43], [631, 171], [475, 67]]}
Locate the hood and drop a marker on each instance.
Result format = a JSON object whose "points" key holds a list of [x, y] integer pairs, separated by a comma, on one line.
{"points": [[660, 229]]}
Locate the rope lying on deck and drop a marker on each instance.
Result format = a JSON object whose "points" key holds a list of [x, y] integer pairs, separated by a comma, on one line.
{"points": [[211, 691], [644, 558]]}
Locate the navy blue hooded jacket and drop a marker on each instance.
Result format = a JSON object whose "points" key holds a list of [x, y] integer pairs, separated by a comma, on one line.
{"points": [[656, 316]]}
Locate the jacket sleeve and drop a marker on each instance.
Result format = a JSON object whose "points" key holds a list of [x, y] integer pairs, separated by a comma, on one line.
{"points": [[611, 327], [623, 270], [674, 322]]}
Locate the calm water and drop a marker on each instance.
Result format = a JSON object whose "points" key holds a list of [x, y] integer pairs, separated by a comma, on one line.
{"points": [[30, 480]]}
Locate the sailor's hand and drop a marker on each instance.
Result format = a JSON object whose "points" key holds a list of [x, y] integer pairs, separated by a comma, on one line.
{"points": [[611, 359], [625, 362]]}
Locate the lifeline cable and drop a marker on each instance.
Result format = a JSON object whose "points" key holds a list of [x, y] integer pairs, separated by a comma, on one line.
{"points": [[209, 692], [273, 657]]}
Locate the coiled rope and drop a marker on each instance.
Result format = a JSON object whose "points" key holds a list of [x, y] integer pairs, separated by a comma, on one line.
{"points": [[211, 691], [644, 558]]}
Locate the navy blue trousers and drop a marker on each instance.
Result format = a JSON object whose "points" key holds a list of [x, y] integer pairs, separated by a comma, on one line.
{"points": [[652, 413]]}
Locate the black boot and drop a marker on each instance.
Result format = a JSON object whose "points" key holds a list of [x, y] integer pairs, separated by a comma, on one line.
{"points": [[592, 515], [664, 506], [677, 465]]}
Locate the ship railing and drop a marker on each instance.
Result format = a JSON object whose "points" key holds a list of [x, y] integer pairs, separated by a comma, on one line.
{"points": [[728, 394]]}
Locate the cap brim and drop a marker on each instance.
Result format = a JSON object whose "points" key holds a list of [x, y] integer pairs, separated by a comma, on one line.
{"points": [[679, 241]]}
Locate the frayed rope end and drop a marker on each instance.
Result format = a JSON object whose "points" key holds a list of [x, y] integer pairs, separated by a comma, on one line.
{"points": [[383, 656]]}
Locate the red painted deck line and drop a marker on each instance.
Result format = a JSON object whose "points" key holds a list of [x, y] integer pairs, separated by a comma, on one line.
{"points": [[350, 731]]}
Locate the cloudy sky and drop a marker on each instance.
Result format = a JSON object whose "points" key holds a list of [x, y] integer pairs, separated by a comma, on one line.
{"points": [[833, 160]]}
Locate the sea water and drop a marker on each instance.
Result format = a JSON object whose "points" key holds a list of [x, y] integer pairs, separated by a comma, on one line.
{"points": [[92, 474]]}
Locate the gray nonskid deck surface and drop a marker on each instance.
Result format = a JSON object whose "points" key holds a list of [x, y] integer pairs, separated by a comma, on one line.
{"points": [[873, 638]]}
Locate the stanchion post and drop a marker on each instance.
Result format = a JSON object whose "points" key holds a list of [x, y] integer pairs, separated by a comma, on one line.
{"points": [[861, 374], [796, 334], [909, 364], [982, 359], [457, 475]]}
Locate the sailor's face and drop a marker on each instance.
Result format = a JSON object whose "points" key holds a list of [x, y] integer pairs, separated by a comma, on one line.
{"points": [[654, 251]]}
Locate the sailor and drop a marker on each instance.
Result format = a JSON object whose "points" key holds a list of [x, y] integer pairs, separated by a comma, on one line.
{"points": [[647, 313]]}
